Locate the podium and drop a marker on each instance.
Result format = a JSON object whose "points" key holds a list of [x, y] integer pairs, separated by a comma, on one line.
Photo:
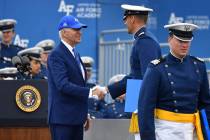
{"points": [[23, 110]]}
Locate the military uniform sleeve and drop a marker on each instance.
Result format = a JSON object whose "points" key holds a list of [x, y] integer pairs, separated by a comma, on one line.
{"points": [[147, 51], [147, 103], [118, 88]]}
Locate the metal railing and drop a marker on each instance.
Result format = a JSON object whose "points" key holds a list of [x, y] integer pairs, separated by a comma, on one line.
{"points": [[114, 56]]}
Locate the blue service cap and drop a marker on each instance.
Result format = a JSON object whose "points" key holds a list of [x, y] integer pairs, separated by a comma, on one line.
{"points": [[70, 22]]}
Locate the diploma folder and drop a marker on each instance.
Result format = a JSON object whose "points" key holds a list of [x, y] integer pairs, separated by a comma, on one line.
{"points": [[132, 94], [205, 124]]}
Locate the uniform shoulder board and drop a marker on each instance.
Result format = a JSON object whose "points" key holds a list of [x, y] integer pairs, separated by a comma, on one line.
{"points": [[198, 59], [157, 61]]}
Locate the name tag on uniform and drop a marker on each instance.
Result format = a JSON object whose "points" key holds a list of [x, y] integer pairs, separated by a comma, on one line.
{"points": [[132, 94]]}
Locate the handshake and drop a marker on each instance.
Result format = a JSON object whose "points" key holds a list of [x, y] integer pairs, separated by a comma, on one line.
{"points": [[99, 92]]}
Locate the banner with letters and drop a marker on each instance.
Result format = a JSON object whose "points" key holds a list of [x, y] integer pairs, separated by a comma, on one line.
{"points": [[38, 20]]}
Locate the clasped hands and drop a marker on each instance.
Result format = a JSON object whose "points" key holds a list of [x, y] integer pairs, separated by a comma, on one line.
{"points": [[99, 92]]}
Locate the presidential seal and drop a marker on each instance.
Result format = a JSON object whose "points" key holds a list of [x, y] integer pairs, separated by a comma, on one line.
{"points": [[28, 98]]}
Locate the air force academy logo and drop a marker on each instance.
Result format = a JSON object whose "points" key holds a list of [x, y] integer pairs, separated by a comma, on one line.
{"points": [[65, 8]]}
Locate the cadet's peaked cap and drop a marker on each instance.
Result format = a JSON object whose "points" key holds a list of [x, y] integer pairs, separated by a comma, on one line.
{"points": [[88, 62], [182, 31], [47, 45], [135, 10], [7, 24], [8, 73], [33, 53], [70, 22], [8, 70]]}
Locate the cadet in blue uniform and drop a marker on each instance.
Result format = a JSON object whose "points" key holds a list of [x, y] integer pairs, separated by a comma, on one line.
{"points": [[88, 63], [47, 45], [174, 89], [7, 49], [34, 57], [115, 110], [145, 48]]}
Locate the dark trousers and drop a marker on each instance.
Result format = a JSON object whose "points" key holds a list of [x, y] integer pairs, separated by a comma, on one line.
{"points": [[66, 132]]}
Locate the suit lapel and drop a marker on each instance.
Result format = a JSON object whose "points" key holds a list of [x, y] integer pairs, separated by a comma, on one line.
{"points": [[72, 59]]}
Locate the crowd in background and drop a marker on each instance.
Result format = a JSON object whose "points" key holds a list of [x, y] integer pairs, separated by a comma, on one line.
{"points": [[18, 63]]}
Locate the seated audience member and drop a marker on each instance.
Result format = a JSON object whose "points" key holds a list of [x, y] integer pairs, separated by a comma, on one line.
{"points": [[7, 49], [115, 109], [88, 63], [47, 46], [33, 54]]}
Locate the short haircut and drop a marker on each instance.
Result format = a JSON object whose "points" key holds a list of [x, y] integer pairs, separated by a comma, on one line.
{"points": [[144, 18]]}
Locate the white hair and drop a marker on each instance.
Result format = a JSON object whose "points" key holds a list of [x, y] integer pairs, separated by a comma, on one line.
{"points": [[59, 33]]}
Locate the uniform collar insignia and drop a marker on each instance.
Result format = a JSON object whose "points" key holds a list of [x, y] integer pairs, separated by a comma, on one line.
{"points": [[156, 61]]}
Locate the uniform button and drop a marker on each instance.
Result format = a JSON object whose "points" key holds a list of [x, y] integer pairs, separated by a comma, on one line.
{"points": [[174, 92], [95, 103], [166, 65], [115, 112], [114, 108], [195, 62], [174, 101], [172, 82], [176, 110], [95, 108], [169, 74], [197, 71]]}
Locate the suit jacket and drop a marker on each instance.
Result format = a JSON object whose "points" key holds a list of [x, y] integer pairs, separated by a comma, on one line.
{"points": [[145, 49], [68, 94]]}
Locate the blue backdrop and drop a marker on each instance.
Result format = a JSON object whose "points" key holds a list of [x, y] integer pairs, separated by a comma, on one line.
{"points": [[38, 20]]}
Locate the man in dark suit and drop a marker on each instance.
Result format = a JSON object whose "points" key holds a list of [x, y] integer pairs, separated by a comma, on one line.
{"points": [[68, 94]]}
